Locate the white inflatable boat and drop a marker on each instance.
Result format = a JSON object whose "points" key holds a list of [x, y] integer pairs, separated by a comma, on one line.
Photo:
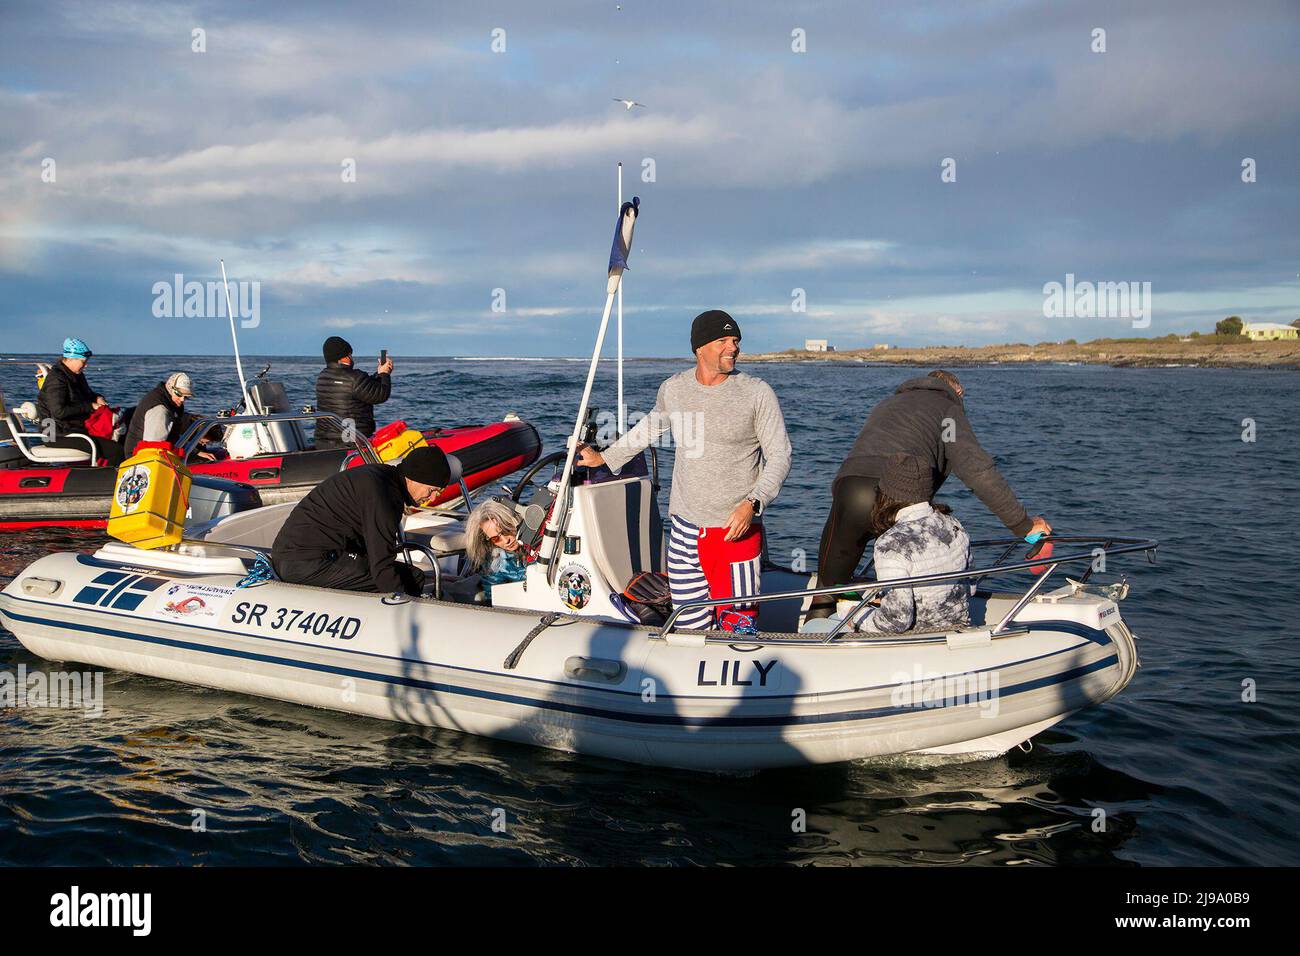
{"points": [[555, 663]]}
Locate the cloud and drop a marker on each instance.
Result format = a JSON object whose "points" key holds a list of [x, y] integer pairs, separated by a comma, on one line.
{"points": [[773, 170]]}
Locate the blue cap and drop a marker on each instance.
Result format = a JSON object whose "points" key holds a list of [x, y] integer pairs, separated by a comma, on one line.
{"points": [[76, 349]]}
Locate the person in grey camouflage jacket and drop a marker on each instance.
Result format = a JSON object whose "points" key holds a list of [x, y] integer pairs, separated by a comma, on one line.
{"points": [[915, 538]]}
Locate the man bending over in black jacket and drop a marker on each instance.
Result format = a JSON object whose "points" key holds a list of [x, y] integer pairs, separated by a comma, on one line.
{"points": [[345, 533], [924, 419], [349, 393]]}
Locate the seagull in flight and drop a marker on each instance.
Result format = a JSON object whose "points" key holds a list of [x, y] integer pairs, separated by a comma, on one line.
{"points": [[629, 103]]}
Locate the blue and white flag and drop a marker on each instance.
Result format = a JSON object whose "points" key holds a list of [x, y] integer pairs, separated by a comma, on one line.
{"points": [[622, 240]]}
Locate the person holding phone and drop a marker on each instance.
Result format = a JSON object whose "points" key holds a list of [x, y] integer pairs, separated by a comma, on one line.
{"points": [[349, 393]]}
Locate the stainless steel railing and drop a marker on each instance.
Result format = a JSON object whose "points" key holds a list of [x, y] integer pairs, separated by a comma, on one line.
{"points": [[200, 426], [1105, 544]]}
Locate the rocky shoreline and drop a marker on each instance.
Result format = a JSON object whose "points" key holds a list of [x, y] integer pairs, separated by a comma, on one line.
{"points": [[1118, 353]]}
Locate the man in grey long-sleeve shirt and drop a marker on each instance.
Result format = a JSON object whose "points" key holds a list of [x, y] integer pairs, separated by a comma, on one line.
{"points": [[732, 454]]}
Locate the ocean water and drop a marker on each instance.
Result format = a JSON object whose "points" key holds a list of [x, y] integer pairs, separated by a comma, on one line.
{"points": [[1185, 766]]}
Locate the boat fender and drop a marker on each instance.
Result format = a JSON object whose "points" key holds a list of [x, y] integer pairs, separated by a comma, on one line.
{"points": [[512, 659], [970, 638]]}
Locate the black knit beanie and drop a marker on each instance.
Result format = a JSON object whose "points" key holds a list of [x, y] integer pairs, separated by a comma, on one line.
{"points": [[711, 325], [336, 349], [428, 466]]}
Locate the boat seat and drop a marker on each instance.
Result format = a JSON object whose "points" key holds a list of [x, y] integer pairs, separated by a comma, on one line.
{"points": [[55, 456], [442, 534], [444, 541], [256, 528], [33, 447]]}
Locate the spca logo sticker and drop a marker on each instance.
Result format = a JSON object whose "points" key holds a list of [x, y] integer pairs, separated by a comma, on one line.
{"points": [[575, 587], [131, 487]]}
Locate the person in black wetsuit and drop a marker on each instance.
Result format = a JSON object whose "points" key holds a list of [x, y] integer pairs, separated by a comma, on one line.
{"points": [[924, 419], [344, 534], [66, 399], [349, 393]]}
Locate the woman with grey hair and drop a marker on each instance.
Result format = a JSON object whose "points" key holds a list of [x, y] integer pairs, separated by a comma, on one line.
{"points": [[492, 543]]}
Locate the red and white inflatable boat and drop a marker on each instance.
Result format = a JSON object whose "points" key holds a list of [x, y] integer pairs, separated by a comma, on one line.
{"points": [[56, 488]]}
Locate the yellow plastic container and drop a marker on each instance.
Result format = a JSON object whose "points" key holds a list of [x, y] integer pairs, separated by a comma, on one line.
{"points": [[150, 497], [401, 445]]}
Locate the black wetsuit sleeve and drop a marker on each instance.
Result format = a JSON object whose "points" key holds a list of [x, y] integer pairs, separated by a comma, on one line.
{"points": [[381, 519], [372, 389], [976, 468]]}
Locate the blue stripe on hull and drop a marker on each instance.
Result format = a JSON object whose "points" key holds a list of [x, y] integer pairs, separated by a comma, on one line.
{"points": [[1065, 627]]}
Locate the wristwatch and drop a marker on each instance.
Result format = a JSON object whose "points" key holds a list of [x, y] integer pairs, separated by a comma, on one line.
{"points": [[758, 506]]}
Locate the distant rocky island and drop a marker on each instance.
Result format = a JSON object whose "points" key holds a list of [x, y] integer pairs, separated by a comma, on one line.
{"points": [[1206, 351]]}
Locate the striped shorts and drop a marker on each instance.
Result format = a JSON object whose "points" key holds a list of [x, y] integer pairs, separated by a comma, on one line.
{"points": [[701, 565]]}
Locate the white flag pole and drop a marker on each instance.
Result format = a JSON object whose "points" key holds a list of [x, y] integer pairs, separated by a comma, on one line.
{"points": [[622, 408], [239, 366], [561, 505], [623, 236]]}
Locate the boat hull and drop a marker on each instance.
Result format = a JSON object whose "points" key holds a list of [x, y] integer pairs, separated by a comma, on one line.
{"points": [[588, 686]]}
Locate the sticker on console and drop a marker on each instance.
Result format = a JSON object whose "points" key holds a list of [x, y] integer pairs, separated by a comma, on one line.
{"points": [[131, 487], [575, 586]]}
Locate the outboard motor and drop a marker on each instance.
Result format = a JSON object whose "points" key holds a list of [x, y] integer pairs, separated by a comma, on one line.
{"points": [[247, 441], [212, 498]]}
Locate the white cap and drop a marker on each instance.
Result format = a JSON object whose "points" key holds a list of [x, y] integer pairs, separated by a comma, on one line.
{"points": [[180, 383]]}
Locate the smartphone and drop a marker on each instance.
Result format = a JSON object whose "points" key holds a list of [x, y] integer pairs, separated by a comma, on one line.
{"points": [[383, 356]]}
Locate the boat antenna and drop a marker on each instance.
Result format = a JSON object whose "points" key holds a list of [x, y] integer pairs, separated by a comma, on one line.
{"points": [[622, 407], [239, 365], [627, 215]]}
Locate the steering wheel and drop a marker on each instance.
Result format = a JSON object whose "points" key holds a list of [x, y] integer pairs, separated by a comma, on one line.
{"points": [[553, 458]]}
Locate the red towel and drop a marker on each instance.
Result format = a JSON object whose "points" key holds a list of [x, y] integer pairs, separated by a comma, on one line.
{"points": [[99, 423]]}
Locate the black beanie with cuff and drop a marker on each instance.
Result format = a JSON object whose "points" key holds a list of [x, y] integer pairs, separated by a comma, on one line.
{"points": [[712, 325]]}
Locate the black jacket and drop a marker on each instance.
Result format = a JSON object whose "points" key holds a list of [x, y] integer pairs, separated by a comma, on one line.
{"points": [[66, 398], [357, 511], [912, 422], [349, 393], [159, 405]]}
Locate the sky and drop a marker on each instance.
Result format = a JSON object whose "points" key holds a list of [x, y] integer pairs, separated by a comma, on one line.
{"points": [[782, 147]]}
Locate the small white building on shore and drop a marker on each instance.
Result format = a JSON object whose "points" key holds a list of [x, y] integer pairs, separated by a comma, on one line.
{"points": [[816, 345]]}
